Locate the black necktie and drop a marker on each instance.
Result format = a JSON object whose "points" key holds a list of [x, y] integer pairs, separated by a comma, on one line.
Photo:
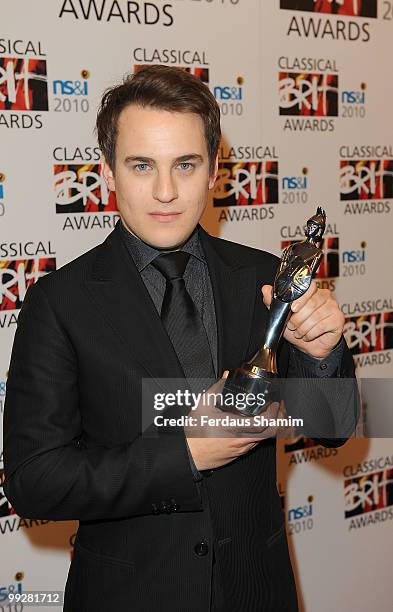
{"points": [[181, 318]]}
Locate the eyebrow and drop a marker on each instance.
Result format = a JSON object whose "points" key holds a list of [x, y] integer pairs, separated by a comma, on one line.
{"points": [[150, 160]]}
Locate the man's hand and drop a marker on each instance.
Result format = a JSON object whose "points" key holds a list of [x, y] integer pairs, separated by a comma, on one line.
{"points": [[316, 323], [215, 446]]}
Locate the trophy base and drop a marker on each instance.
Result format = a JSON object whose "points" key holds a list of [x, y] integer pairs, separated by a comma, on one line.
{"points": [[263, 387]]}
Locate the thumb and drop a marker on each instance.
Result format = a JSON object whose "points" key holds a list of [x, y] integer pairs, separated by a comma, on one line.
{"points": [[225, 374], [267, 291]]}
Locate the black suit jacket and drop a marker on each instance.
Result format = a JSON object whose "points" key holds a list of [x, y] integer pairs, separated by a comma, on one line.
{"points": [[87, 334]]}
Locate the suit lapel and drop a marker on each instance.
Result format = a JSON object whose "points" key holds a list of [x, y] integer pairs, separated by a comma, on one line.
{"points": [[119, 293], [234, 299]]}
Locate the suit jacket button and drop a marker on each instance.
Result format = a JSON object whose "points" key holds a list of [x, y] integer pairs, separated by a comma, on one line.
{"points": [[201, 549], [155, 509], [174, 505]]}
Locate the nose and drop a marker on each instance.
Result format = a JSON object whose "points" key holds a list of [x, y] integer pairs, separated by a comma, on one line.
{"points": [[165, 188]]}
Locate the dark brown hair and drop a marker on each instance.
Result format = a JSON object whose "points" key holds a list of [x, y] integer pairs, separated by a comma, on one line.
{"points": [[161, 87]]}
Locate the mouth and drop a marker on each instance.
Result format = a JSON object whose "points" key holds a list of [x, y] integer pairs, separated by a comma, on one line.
{"points": [[165, 217]]}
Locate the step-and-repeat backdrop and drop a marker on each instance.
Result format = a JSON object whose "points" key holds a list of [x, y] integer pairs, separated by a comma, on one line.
{"points": [[305, 90]]}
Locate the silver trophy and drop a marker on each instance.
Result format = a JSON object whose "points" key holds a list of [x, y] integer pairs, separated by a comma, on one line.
{"points": [[299, 263]]}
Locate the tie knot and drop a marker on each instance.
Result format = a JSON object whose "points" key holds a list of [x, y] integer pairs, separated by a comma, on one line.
{"points": [[172, 265]]}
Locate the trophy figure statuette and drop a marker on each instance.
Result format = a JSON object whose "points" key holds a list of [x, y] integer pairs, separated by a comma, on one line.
{"points": [[299, 263]]}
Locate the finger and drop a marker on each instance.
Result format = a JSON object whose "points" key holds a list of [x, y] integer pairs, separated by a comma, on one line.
{"points": [[310, 314], [267, 292], [322, 318], [300, 302], [329, 325], [216, 387], [248, 447], [241, 442]]}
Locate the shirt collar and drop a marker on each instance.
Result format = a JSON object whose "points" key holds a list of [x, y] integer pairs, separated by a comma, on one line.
{"points": [[143, 254]]}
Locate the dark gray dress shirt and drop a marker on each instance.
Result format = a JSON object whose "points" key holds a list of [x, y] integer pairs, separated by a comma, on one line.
{"points": [[196, 278]]}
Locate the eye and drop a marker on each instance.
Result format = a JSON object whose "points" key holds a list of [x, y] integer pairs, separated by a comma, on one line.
{"points": [[185, 166], [141, 167]]}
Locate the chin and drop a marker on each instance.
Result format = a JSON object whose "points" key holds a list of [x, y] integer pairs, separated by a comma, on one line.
{"points": [[165, 240]]}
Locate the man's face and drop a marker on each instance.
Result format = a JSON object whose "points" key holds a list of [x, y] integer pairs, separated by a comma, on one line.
{"points": [[161, 175]]}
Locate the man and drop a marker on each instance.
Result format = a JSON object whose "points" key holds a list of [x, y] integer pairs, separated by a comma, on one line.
{"points": [[171, 521]]}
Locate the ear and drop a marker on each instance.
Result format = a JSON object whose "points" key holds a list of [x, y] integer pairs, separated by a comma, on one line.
{"points": [[213, 175], [108, 174]]}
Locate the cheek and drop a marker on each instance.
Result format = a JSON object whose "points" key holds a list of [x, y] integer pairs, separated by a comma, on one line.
{"points": [[131, 193], [196, 197], [195, 209]]}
